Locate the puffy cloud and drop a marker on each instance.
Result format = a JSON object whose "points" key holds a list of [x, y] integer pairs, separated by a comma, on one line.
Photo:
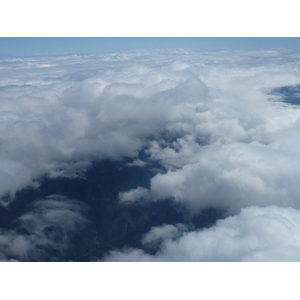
{"points": [[136, 163], [256, 234], [163, 233], [134, 195], [60, 113], [212, 120], [236, 146], [233, 176]]}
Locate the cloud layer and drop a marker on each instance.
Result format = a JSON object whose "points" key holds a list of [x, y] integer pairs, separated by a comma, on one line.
{"points": [[256, 234], [60, 113], [220, 136]]}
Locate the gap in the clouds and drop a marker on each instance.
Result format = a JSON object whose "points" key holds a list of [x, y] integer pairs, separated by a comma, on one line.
{"points": [[114, 225], [104, 180], [290, 94]]}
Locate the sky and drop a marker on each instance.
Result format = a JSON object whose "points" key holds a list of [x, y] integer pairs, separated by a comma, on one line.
{"points": [[210, 128], [14, 47], [244, 130]]}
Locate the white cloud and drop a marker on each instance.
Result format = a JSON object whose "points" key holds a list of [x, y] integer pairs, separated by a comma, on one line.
{"points": [[208, 117], [205, 116], [162, 233], [233, 176], [134, 195], [256, 234], [136, 163], [61, 112]]}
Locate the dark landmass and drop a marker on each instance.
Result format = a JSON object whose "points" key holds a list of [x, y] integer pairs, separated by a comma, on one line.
{"points": [[113, 225]]}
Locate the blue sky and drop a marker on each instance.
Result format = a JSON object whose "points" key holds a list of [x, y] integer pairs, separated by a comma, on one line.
{"points": [[14, 47]]}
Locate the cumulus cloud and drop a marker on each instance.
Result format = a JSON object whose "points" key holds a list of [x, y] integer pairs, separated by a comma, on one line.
{"points": [[236, 146], [162, 233], [44, 232], [59, 114], [256, 234], [136, 163], [233, 176], [213, 123], [134, 195]]}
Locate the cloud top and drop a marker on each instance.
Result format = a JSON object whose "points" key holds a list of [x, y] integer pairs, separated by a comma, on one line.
{"points": [[256, 234], [210, 122]]}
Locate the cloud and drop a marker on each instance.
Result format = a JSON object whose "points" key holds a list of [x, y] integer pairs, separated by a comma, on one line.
{"points": [[232, 177], [134, 194], [82, 108], [44, 232], [60, 113], [209, 122], [233, 147], [256, 234], [162, 233], [136, 163]]}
